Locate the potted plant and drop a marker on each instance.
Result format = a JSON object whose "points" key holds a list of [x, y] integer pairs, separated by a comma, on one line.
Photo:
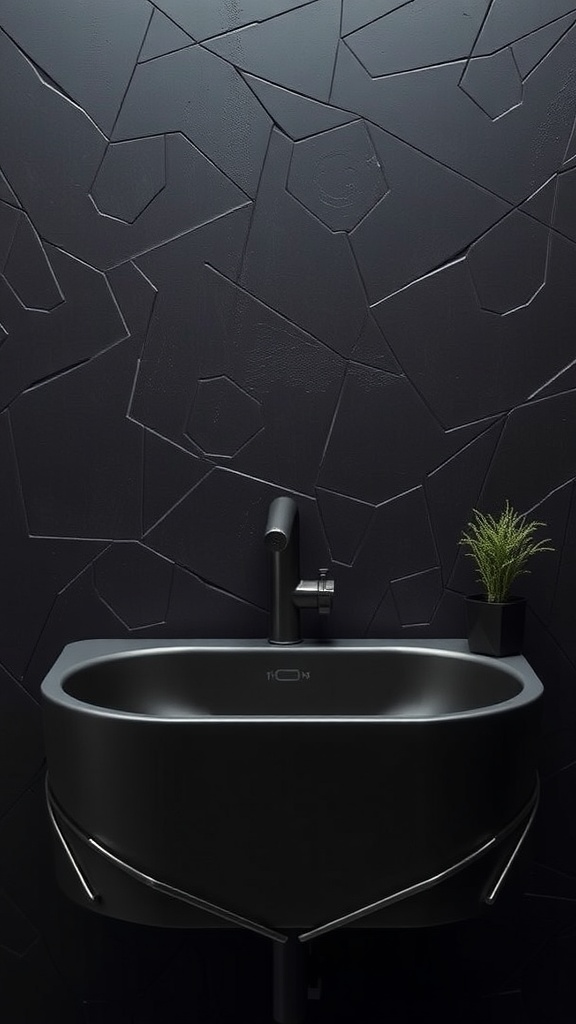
{"points": [[500, 547]]}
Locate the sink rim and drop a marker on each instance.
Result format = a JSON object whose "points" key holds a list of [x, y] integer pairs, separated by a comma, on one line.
{"points": [[83, 653]]}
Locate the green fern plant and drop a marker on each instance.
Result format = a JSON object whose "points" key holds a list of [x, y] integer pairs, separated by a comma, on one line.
{"points": [[501, 546]]}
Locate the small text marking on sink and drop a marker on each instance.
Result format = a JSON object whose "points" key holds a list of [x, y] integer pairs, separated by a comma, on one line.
{"points": [[287, 675]]}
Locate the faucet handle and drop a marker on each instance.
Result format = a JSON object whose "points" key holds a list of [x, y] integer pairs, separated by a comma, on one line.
{"points": [[325, 592]]}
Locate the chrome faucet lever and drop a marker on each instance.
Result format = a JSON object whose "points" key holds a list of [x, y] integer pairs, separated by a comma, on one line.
{"points": [[288, 593]]}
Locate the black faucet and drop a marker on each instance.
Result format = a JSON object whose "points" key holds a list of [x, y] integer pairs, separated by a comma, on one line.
{"points": [[288, 592]]}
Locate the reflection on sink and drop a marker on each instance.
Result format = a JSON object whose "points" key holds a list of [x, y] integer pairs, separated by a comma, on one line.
{"points": [[324, 681], [210, 783]]}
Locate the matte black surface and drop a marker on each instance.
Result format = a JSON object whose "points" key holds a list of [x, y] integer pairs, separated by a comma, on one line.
{"points": [[242, 268]]}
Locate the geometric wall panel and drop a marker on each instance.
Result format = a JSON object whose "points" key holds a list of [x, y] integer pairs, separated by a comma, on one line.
{"points": [[297, 265], [126, 568], [337, 176], [417, 35], [509, 20], [129, 177], [223, 417], [508, 265], [428, 216], [416, 597], [202, 20], [530, 49], [298, 116], [163, 36], [493, 83], [28, 270], [96, 69], [267, 49]]}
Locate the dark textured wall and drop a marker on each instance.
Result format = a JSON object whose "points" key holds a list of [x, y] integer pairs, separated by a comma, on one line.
{"points": [[325, 249]]}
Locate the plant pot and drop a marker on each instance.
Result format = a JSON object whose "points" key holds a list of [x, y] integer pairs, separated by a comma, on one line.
{"points": [[495, 628]]}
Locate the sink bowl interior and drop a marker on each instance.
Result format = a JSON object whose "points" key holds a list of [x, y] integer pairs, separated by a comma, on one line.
{"points": [[299, 682]]}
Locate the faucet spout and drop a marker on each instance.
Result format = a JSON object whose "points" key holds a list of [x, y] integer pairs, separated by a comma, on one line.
{"points": [[288, 593]]}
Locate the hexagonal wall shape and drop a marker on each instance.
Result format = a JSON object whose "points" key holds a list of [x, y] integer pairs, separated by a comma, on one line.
{"points": [[337, 176], [223, 417], [493, 83], [508, 264], [131, 174]]}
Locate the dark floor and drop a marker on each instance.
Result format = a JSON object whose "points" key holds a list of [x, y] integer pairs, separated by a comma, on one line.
{"points": [[449, 975]]}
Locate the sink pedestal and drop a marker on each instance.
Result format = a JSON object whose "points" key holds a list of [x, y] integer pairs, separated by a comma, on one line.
{"points": [[290, 981]]}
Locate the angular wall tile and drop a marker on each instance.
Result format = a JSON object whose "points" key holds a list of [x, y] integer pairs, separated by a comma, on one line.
{"points": [[372, 349], [130, 176], [337, 176], [416, 597], [398, 543], [508, 264], [170, 361], [541, 205], [530, 49], [80, 459], [509, 20], [211, 19], [453, 489], [538, 427], [493, 83], [565, 380], [564, 215], [163, 36], [417, 35], [384, 440], [199, 609], [223, 417], [503, 359], [28, 270], [429, 212], [6, 193], [128, 569], [33, 573], [356, 13], [296, 265], [500, 155], [9, 221], [298, 116], [67, 162], [169, 473], [158, 100], [267, 49], [88, 49], [294, 379], [42, 344], [345, 523]]}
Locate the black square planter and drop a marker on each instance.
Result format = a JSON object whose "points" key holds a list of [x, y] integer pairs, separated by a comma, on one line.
{"points": [[495, 628]]}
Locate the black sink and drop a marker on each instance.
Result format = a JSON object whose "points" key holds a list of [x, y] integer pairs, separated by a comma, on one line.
{"points": [[204, 783]]}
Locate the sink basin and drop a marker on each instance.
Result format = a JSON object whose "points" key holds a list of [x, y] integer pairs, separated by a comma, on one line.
{"points": [[347, 783]]}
